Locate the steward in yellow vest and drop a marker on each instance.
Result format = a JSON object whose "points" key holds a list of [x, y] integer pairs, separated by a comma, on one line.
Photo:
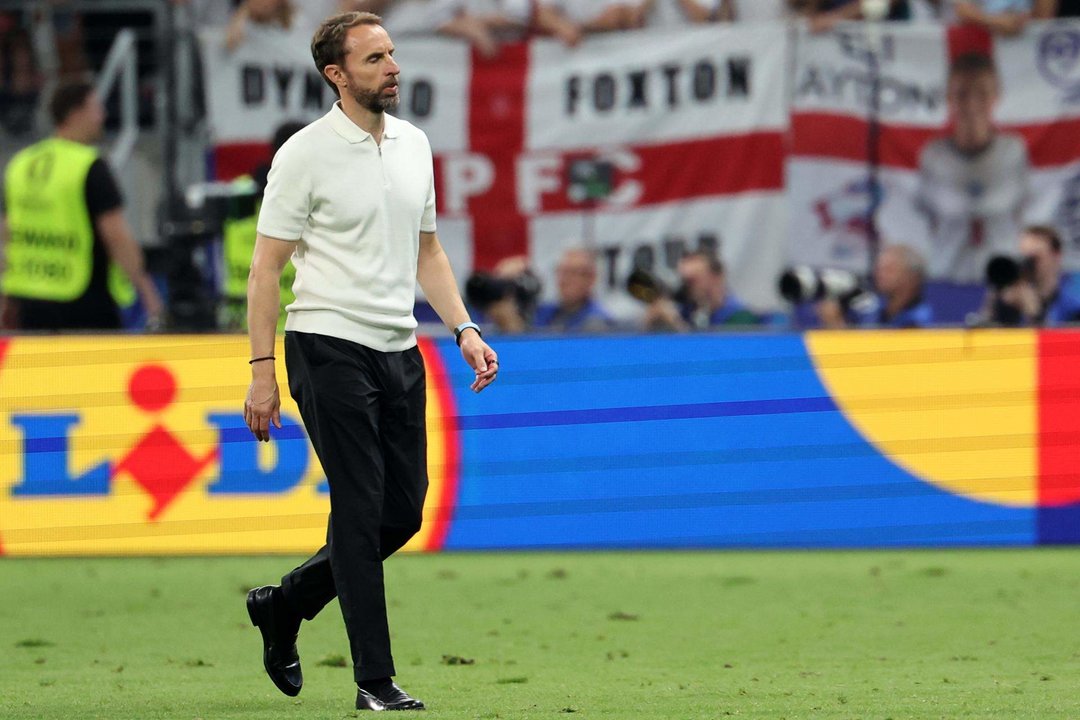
{"points": [[64, 223], [238, 240]]}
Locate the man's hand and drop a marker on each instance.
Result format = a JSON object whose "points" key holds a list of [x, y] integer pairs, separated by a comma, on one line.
{"points": [[830, 314], [1008, 24], [481, 359], [263, 403], [662, 315], [1023, 297]]}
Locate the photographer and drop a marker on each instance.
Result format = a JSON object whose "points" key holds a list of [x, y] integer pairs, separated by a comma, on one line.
{"points": [[504, 299], [1032, 291], [702, 303], [576, 309], [898, 302]]}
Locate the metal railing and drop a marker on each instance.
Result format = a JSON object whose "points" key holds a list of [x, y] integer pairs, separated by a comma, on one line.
{"points": [[120, 71]]}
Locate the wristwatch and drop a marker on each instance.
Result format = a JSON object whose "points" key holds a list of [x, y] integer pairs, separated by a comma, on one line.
{"points": [[462, 328]]}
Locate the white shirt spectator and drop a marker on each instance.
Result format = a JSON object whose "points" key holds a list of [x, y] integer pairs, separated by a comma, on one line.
{"points": [[313, 12], [516, 11], [209, 13], [670, 13], [974, 204], [355, 210], [419, 17], [760, 10], [584, 11], [924, 10]]}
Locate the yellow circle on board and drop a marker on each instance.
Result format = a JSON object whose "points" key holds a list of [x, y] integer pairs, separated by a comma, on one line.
{"points": [[956, 408]]}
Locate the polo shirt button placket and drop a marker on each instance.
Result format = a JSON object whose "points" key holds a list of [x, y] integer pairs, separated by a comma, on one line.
{"points": [[382, 169]]}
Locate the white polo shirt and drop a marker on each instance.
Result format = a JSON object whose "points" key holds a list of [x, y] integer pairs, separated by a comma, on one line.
{"points": [[355, 211]]}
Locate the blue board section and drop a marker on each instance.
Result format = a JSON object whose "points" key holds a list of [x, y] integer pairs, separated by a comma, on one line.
{"points": [[685, 441]]}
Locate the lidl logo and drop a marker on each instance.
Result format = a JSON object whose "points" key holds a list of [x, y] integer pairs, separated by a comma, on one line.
{"points": [[108, 447]]}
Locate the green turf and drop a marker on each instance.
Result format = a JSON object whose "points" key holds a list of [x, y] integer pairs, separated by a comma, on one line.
{"points": [[933, 634]]}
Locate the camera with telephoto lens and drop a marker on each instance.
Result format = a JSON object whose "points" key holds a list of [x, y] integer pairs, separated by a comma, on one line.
{"points": [[482, 290], [647, 288], [1003, 271], [802, 284]]}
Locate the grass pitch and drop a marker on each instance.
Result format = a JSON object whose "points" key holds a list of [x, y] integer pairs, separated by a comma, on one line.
{"points": [[930, 634]]}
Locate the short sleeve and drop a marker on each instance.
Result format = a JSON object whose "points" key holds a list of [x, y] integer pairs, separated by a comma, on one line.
{"points": [[102, 191], [287, 201], [427, 222]]}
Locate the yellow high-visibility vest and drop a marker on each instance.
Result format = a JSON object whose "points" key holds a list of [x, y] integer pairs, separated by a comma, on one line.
{"points": [[238, 245], [50, 251]]}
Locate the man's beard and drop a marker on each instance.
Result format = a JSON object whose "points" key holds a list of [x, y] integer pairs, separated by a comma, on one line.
{"points": [[374, 101]]}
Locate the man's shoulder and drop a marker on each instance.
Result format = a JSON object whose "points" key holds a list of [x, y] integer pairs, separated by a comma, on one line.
{"points": [[405, 129], [1069, 292], [936, 150], [1011, 148], [544, 314], [295, 154], [313, 133], [596, 310]]}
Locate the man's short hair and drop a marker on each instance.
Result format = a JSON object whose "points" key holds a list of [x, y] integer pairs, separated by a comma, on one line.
{"points": [[715, 264], [328, 43], [972, 64], [1047, 233], [69, 96]]}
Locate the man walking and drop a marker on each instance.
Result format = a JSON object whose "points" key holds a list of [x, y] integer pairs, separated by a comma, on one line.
{"points": [[67, 239], [351, 200]]}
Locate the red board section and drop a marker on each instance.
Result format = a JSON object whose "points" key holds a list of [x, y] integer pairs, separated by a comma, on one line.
{"points": [[235, 159], [843, 137], [451, 442], [497, 131], [690, 169], [1059, 418]]}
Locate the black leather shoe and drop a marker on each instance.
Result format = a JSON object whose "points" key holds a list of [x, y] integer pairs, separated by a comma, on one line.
{"points": [[389, 697], [279, 629]]}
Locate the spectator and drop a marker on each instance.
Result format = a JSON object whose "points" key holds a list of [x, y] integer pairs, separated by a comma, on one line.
{"points": [[506, 20], [760, 10], [823, 15], [431, 17], [20, 78], [1003, 17], [570, 20], [703, 302], [576, 309], [504, 298], [1049, 9], [973, 184], [65, 220], [262, 13], [1042, 295], [238, 240], [209, 13], [899, 277], [670, 13]]}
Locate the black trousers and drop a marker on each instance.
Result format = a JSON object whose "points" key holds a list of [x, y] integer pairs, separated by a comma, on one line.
{"points": [[364, 413]]}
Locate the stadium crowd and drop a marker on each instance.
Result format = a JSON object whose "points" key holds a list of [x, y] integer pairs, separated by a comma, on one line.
{"points": [[485, 23], [1034, 292]]}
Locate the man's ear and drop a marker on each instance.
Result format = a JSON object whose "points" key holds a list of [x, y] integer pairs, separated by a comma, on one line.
{"points": [[335, 74]]}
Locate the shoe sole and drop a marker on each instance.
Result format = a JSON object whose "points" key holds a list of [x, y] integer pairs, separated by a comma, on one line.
{"points": [[253, 614]]}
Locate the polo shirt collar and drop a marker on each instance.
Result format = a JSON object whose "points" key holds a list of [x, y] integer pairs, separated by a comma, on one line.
{"points": [[352, 132]]}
